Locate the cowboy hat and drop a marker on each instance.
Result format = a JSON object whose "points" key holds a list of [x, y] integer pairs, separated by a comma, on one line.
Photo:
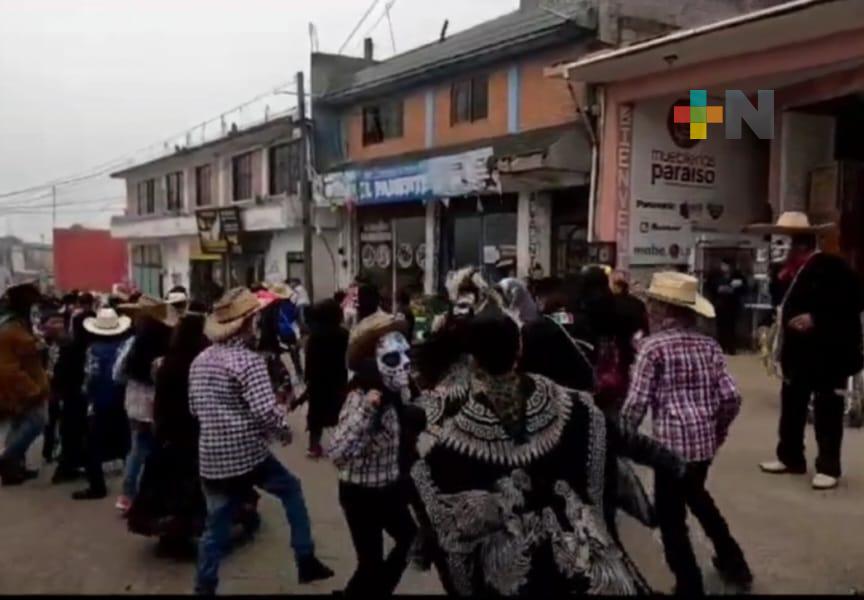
{"points": [[150, 306], [230, 313], [365, 335], [176, 298], [679, 289], [789, 223], [107, 323], [26, 283], [282, 291]]}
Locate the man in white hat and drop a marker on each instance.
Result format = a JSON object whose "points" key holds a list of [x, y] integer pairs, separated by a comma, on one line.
{"points": [[23, 382], [231, 395], [820, 348], [681, 376]]}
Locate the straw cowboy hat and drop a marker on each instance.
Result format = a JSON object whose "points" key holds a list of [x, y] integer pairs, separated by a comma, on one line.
{"points": [[365, 335], [107, 323], [229, 315], [148, 305], [789, 223], [282, 291], [176, 298], [679, 289]]}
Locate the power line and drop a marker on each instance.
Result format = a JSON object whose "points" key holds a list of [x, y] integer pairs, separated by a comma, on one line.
{"points": [[107, 167], [387, 8], [358, 25], [84, 202]]}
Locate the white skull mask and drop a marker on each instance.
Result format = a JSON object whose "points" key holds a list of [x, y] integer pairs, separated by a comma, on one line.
{"points": [[465, 304], [394, 364]]}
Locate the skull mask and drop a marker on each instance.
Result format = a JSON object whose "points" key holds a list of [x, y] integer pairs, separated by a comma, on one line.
{"points": [[394, 364], [465, 305]]}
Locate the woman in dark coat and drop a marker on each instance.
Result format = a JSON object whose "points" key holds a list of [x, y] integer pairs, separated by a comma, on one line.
{"points": [[326, 373]]}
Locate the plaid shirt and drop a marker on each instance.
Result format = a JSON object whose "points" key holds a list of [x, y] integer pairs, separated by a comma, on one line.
{"points": [[365, 454], [682, 377], [231, 394]]}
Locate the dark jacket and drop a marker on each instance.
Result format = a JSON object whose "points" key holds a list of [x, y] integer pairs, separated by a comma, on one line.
{"points": [[103, 393], [547, 350], [830, 292], [326, 374], [23, 381]]}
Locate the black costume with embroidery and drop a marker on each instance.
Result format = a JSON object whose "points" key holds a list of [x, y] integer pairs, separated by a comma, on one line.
{"points": [[515, 493]]}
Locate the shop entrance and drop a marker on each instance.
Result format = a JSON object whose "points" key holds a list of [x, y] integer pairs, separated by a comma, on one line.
{"points": [[480, 232]]}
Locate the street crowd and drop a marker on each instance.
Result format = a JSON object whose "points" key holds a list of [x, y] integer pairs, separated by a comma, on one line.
{"points": [[497, 448]]}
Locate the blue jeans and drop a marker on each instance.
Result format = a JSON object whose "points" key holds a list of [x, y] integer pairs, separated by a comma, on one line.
{"points": [[142, 444], [224, 496], [24, 429]]}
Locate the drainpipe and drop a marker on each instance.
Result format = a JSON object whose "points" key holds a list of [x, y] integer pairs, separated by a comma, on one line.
{"points": [[594, 97]]}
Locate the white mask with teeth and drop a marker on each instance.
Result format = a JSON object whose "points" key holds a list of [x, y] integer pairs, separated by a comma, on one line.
{"points": [[465, 305], [394, 364]]}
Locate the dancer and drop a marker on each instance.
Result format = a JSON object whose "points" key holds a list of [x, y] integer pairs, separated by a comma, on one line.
{"points": [[108, 426], [820, 348], [366, 450], [681, 376], [231, 395]]}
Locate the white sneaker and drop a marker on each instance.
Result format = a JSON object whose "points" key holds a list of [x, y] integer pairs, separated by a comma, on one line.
{"points": [[773, 466], [824, 482]]}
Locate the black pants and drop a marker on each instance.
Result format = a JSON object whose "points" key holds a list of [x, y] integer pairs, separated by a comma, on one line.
{"points": [[95, 449], [369, 513], [73, 432], [727, 321], [672, 497], [49, 441], [828, 408]]}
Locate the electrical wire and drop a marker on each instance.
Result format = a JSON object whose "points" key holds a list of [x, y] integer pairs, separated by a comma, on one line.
{"points": [[358, 25]]}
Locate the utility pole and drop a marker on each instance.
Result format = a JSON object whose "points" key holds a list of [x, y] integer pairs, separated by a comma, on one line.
{"points": [[305, 187]]}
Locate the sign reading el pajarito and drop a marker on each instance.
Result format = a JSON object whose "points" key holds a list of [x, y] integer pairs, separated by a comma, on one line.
{"points": [[682, 187]]}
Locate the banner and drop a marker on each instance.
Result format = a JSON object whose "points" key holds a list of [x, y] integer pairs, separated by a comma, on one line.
{"points": [[219, 229], [438, 177]]}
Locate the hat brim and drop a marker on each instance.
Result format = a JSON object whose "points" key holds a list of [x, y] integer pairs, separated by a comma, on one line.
{"points": [[363, 345], [123, 325], [219, 332], [702, 306], [32, 283], [773, 229]]}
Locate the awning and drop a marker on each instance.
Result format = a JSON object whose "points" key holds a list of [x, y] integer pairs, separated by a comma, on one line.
{"points": [[547, 160], [786, 24]]}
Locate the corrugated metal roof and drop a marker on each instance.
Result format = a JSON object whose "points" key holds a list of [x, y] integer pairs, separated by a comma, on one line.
{"points": [[537, 26]]}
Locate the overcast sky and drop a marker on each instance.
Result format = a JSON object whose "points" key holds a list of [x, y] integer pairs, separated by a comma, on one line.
{"points": [[85, 82]]}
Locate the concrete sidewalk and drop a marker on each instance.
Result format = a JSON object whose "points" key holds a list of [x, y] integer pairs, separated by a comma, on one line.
{"points": [[797, 540]]}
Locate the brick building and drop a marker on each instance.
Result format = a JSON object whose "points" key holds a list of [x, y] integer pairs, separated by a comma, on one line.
{"points": [[88, 259], [462, 152]]}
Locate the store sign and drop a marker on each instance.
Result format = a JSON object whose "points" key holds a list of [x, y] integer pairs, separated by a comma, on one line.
{"points": [[219, 230], [439, 177], [698, 114], [680, 188]]}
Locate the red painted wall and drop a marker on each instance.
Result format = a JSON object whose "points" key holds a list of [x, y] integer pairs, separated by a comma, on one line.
{"points": [[88, 259]]}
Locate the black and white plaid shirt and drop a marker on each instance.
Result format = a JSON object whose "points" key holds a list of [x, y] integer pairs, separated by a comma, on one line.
{"points": [[231, 394], [366, 454]]}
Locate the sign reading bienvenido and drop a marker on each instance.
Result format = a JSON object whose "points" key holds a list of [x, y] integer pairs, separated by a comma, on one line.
{"points": [[219, 230]]}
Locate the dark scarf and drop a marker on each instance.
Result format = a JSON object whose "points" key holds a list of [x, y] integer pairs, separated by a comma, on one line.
{"points": [[503, 395]]}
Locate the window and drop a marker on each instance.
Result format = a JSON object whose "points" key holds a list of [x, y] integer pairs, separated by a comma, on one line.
{"points": [[469, 100], [174, 191], [242, 176], [382, 122], [203, 186], [147, 197], [285, 161], [147, 269]]}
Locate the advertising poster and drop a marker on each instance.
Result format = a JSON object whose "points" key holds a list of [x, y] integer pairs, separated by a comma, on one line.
{"points": [[681, 188]]}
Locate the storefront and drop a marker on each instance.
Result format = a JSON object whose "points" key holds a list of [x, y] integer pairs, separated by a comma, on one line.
{"points": [[667, 200]]}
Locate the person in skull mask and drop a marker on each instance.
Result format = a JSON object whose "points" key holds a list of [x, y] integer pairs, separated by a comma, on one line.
{"points": [[368, 448]]}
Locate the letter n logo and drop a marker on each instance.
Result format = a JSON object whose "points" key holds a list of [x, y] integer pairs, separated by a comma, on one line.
{"points": [[759, 118]]}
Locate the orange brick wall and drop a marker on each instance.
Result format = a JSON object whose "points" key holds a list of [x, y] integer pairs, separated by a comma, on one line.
{"points": [[544, 102], [494, 124], [414, 131]]}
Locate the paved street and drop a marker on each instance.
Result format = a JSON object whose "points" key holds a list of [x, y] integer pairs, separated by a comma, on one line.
{"points": [[798, 540]]}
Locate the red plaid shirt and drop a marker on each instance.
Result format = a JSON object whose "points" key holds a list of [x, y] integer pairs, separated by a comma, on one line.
{"points": [[682, 377]]}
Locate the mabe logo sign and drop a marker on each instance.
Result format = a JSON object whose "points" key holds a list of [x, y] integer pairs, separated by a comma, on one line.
{"points": [[699, 114]]}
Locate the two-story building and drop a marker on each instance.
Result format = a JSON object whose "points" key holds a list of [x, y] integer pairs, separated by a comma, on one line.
{"points": [[461, 152], [174, 217]]}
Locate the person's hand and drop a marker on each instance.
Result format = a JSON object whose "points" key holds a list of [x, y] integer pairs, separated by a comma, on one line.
{"points": [[802, 323], [373, 397]]}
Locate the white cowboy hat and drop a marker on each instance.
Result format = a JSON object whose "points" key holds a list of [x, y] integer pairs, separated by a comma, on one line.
{"points": [[231, 312], [107, 323], [679, 289], [789, 223]]}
